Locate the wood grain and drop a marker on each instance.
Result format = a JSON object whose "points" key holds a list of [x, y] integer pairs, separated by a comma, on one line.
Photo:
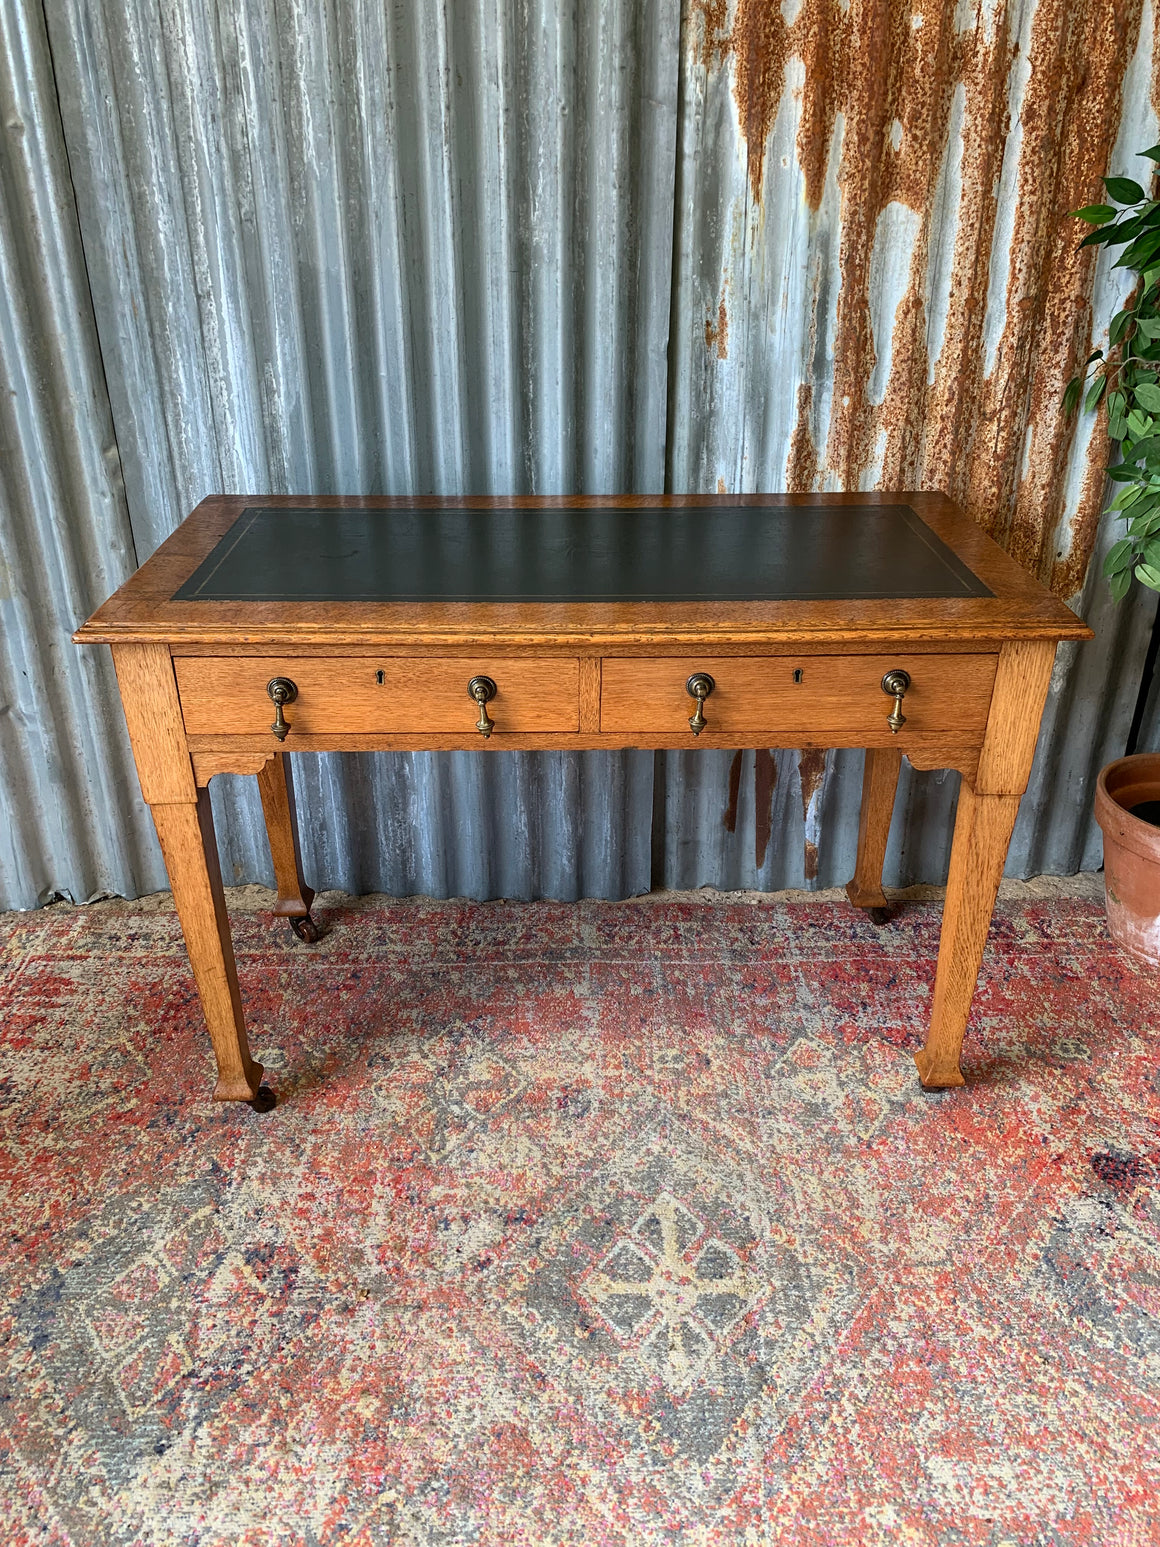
{"points": [[190, 851], [276, 787], [206, 765], [879, 787], [1019, 608], [1021, 684], [983, 828], [153, 715], [341, 694], [759, 698], [923, 751], [590, 694]]}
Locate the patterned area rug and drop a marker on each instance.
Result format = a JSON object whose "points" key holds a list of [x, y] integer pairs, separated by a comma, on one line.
{"points": [[598, 1224]]}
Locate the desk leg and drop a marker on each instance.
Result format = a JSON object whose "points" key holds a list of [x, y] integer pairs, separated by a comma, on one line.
{"points": [[184, 822], [879, 787], [191, 858], [276, 786], [988, 806], [983, 830]]}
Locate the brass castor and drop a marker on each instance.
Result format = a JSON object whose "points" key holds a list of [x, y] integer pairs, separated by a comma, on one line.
{"points": [[264, 1101], [306, 929]]}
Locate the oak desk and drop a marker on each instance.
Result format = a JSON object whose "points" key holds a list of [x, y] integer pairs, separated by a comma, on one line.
{"points": [[890, 622]]}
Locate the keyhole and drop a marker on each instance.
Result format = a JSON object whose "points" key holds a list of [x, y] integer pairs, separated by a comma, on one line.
{"points": [[798, 674], [380, 677]]}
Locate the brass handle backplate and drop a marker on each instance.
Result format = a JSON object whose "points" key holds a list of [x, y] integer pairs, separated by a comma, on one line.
{"points": [[894, 685], [482, 690], [281, 692], [699, 686]]}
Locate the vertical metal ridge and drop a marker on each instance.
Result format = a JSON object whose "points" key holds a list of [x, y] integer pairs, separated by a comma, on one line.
{"points": [[74, 822]]}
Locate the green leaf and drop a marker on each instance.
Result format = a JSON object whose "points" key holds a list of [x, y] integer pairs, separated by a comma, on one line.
{"points": [[1119, 557], [1153, 154], [1071, 394], [1149, 326], [1128, 495], [1095, 394], [1148, 576], [1095, 214], [1124, 190], [1139, 426], [1094, 238], [1140, 253], [1124, 472], [1117, 424], [1118, 327], [1147, 394], [1125, 230], [1120, 584]]}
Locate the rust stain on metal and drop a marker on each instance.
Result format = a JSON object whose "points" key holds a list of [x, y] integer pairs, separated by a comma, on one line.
{"points": [[709, 18], [760, 44], [982, 419], [1077, 58], [812, 765], [734, 792], [802, 469], [764, 784], [717, 332], [764, 781]]}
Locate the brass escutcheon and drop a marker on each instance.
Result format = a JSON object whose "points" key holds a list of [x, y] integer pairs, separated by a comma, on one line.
{"points": [[281, 691], [482, 690], [699, 686], [894, 685]]}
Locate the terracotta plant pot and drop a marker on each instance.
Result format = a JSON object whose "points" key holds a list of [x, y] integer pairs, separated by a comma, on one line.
{"points": [[1131, 853]]}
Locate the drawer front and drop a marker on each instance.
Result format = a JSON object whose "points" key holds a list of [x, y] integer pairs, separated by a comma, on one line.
{"points": [[226, 696], [775, 698]]}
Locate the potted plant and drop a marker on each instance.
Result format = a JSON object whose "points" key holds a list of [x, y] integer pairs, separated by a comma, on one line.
{"points": [[1127, 380]]}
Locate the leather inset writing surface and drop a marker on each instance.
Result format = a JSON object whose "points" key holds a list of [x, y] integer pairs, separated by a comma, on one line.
{"points": [[580, 554]]}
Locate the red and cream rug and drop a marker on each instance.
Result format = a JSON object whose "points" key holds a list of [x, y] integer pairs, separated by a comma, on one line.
{"points": [[599, 1224]]}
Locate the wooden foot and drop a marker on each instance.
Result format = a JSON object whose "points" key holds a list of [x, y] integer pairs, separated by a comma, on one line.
{"points": [[191, 858], [879, 786], [276, 786], [983, 829]]}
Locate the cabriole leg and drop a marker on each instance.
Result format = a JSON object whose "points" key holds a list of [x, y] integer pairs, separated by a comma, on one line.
{"points": [[276, 786], [879, 786]]}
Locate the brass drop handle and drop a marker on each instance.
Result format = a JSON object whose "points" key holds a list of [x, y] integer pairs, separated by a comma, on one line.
{"points": [[894, 685], [699, 686], [281, 692], [482, 690]]}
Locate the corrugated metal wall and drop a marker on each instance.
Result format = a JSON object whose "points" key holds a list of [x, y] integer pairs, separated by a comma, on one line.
{"points": [[71, 814], [486, 247]]}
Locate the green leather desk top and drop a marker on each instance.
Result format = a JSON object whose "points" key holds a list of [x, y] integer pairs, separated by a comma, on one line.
{"points": [[680, 553]]}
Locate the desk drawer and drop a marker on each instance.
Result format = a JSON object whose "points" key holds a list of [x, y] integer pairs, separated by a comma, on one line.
{"points": [[226, 696], [772, 699]]}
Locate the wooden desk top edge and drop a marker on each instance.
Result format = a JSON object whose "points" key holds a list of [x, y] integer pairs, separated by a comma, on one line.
{"points": [[141, 610]]}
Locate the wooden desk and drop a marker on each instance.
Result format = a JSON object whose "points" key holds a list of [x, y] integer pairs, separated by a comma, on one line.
{"points": [[580, 623]]}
